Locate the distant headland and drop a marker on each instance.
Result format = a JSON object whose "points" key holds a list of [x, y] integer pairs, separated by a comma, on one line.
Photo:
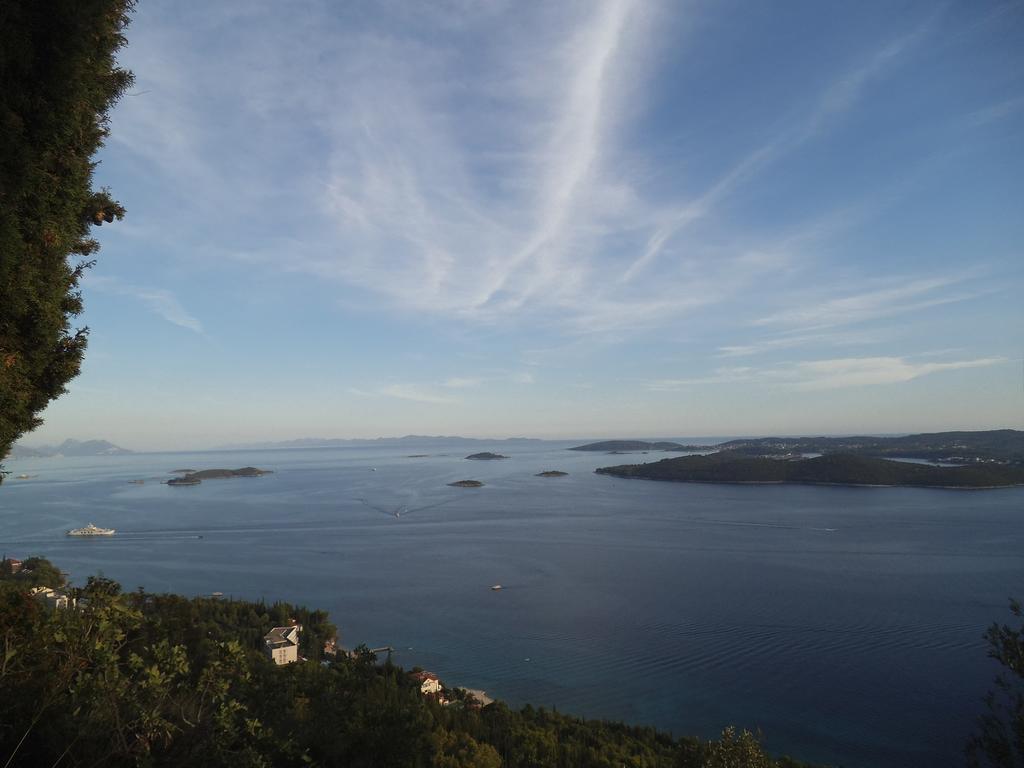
{"points": [[830, 469], [965, 447], [622, 446]]}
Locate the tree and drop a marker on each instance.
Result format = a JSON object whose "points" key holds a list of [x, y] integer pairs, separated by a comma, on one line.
{"points": [[60, 79], [735, 750], [999, 740]]}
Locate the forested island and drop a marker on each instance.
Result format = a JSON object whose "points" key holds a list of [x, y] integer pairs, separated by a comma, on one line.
{"points": [[485, 456], [127, 679], [193, 477], [830, 469], [621, 446]]}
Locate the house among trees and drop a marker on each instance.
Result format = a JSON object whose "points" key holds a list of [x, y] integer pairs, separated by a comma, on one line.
{"points": [[282, 644], [53, 598], [430, 684], [331, 646], [10, 566]]}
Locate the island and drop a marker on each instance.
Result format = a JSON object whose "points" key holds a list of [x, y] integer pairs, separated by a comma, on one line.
{"points": [[830, 469], [195, 478], [625, 446], [551, 473], [467, 484], [485, 456]]}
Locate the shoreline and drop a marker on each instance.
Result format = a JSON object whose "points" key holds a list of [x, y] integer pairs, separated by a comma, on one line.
{"points": [[832, 485]]}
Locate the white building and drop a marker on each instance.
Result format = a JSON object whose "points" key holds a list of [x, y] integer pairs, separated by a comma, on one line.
{"points": [[53, 598], [282, 644], [430, 684]]}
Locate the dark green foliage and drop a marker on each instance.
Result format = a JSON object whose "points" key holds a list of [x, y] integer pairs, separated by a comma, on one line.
{"points": [[59, 79], [836, 468], [160, 680], [34, 572], [999, 741]]}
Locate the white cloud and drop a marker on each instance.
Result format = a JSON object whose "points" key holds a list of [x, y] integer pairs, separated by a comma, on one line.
{"points": [[415, 394], [867, 371], [462, 382], [765, 345], [839, 97], [838, 373], [896, 297], [159, 300]]}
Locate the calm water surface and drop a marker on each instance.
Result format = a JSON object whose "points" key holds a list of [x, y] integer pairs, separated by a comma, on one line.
{"points": [[845, 623]]}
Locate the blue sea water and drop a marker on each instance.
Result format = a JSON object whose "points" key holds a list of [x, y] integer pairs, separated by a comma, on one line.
{"points": [[844, 623]]}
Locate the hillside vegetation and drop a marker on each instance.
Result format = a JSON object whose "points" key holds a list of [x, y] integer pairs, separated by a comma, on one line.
{"points": [[160, 680], [841, 469]]}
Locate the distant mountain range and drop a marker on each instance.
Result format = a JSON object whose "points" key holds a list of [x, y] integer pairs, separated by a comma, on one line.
{"points": [[335, 442], [68, 448]]}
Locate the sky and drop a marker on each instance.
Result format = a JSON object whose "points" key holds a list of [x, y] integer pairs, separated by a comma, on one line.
{"points": [[605, 218]]}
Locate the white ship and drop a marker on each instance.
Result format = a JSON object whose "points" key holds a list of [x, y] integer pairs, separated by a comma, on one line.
{"points": [[91, 530]]}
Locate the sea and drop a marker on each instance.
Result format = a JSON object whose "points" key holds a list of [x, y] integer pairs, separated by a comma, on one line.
{"points": [[843, 624]]}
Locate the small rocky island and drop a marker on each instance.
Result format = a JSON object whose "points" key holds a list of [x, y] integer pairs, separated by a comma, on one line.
{"points": [[551, 473], [193, 477], [830, 469], [467, 484], [485, 456]]}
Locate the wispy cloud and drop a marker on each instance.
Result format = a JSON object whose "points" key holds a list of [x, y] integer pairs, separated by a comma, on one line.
{"points": [[866, 371], [467, 382], [895, 297], [459, 382], [774, 344], [415, 394], [995, 112], [838, 97], [158, 300], [837, 373]]}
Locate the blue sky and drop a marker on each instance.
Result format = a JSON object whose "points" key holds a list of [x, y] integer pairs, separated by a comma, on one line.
{"points": [[610, 217]]}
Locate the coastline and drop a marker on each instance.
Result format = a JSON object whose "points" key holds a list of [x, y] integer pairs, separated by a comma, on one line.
{"points": [[798, 482]]}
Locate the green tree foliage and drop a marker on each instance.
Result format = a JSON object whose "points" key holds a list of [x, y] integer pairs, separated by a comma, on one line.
{"points": [[60, 79], [999, 741], [161, 680], [34, 572]]}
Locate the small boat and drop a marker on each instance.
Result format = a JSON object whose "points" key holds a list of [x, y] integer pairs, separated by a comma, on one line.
{"points": [[91, 530], [496, 587]]}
